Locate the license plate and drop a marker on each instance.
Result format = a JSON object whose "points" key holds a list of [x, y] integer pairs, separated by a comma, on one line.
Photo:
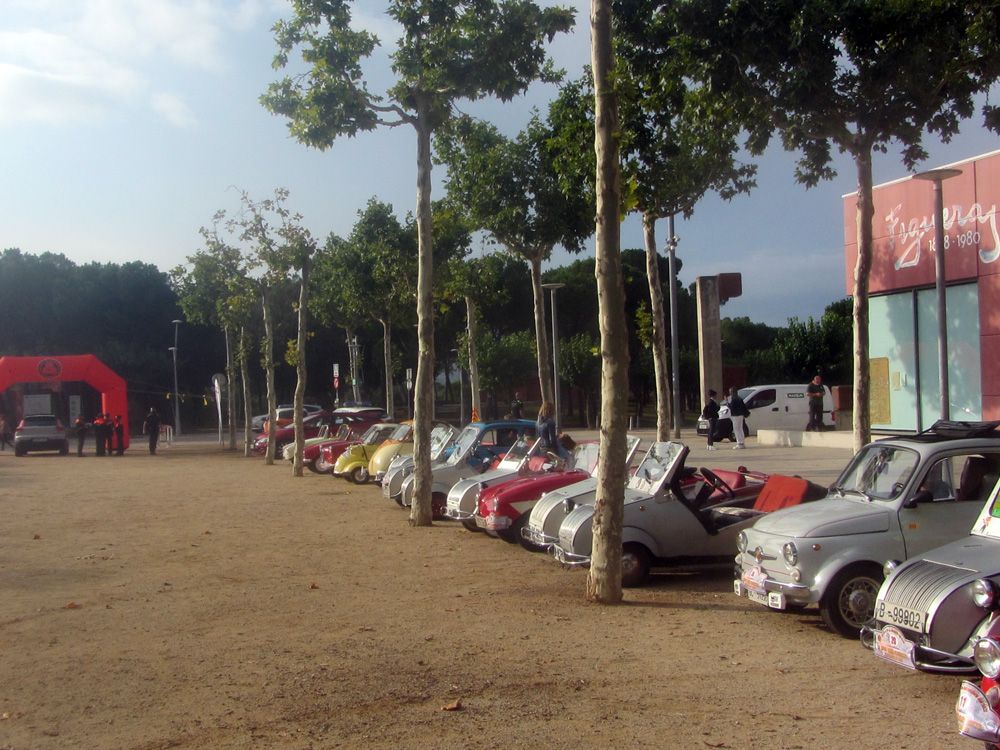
{"points": [[481, 522], [894, 647], [903, 617], [772, 599]]}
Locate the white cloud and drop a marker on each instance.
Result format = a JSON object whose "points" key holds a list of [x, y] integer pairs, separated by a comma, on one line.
{"points": [[61, 61], [174, 109]]}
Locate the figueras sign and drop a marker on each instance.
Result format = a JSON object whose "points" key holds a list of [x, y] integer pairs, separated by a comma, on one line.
{"points": [[903, 229]]}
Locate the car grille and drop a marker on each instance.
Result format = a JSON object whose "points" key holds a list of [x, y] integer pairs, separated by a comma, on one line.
{"points": [[918, 585]]}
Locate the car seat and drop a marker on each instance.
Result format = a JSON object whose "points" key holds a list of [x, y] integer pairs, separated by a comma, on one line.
{"points": [[978, 477]]}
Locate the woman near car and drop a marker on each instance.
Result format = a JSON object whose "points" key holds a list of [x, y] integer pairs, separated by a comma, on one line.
{"points": [[546, 425], [738, 411]]}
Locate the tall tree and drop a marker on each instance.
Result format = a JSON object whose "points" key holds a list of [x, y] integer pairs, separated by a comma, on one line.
{"points": [[839, 74], [449, 51], [604, 581], [510, 188]]}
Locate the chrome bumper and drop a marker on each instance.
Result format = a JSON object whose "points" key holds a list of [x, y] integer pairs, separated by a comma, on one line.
{"points": [[569, 559], [538, 538]]}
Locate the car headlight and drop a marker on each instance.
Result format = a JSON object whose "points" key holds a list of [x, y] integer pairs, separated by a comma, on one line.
{"points": [[742, 542], [889, 566], [986, 654], [983, 593], [790, 552]]}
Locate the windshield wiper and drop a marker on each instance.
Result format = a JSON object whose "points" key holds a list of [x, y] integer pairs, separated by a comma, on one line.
{"points": [[857, 492]]}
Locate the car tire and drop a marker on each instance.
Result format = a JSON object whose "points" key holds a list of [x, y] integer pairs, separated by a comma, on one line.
{"points": [[311, 465], [852, 589], [439, 502], [470, 524], [635, 565], [512, 534], [359, 475], [19, 450]]}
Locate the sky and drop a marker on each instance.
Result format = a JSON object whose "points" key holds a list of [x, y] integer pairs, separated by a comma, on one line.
{"points": [[126, 124]]}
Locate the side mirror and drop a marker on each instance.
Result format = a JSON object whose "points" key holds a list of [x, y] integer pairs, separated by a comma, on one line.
{"points": [[923, 496]]}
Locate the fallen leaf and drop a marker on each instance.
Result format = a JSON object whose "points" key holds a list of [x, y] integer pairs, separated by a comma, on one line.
{"points": [[72, 605], [314, 585], [37, 536], [455, 705]]}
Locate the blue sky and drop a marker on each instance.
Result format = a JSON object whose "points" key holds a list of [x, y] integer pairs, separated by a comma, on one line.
{"points": [[125, 124]]}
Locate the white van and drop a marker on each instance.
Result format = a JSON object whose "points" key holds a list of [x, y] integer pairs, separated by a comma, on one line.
{"points": [[772, 407]]}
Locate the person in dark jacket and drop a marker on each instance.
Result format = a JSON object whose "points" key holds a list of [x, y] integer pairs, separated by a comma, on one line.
{"points": [[151, 426], [516, 406], [119, 427], [109, 435], [80, 426], [738, 412], [711, 413]]}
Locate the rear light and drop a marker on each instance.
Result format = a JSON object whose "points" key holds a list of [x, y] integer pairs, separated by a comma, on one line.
{"points": [[20, 426]]}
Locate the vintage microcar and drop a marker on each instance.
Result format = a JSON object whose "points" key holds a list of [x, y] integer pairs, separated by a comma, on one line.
{"points": [[932, 609], [897, 498], [352, 464], [463, 497], [542, 529], [476, 447], [443, 438], [389, 449], [666, 525], [503, 509]]}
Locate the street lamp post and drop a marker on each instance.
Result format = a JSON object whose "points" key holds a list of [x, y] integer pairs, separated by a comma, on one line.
{"points": [[674, 346], [937, 176], [461, 391], [553, 287], [177, 401]]}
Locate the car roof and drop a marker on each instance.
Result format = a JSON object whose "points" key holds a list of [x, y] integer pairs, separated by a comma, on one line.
{"points": [[950, 431]]}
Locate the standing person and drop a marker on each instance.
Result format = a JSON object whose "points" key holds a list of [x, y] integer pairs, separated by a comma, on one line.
{"points": [[738, 412], [151, 426], [516, 406], [109, 435], [711, 413], [4, 435], [815, 391], [546, 425], [120, 434], [99, 441], [80, 426]]}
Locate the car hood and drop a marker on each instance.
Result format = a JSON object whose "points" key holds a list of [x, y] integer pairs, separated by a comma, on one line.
{"points": [[979, 555], [522, 487], [832, 516]]}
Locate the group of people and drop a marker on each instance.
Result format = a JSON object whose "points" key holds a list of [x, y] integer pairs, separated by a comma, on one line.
{"points": [[109, 434], [738, 412]]}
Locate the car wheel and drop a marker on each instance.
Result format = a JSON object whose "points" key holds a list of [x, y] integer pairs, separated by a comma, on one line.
{"points": [[635, 565], [512, 534], [849, 602], [19, 450], [311, 465], [439, 502], [359, 474], [470, 524], [322, 467]]}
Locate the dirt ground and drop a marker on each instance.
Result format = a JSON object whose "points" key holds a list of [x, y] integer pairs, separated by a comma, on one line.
{"points": [[197, 599]]}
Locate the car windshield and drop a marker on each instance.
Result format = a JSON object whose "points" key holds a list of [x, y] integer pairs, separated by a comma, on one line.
{"points": [[40, 420], [590, 463], [585, 457], [518, 451], [878, 472], [377, 433], [441, 438], [343, 432], [657, 466], [401, 432], [467, 438]]}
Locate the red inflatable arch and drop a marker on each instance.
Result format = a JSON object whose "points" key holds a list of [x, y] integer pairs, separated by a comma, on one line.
{"points": [[83, 367]]}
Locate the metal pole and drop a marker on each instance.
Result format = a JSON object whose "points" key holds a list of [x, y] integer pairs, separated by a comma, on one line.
{"points": [[555, 348], [674, 344], [177, 400], [937, 176]]}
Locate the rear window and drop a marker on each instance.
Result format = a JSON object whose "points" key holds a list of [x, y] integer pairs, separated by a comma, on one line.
{"points": [[40, 420]]}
